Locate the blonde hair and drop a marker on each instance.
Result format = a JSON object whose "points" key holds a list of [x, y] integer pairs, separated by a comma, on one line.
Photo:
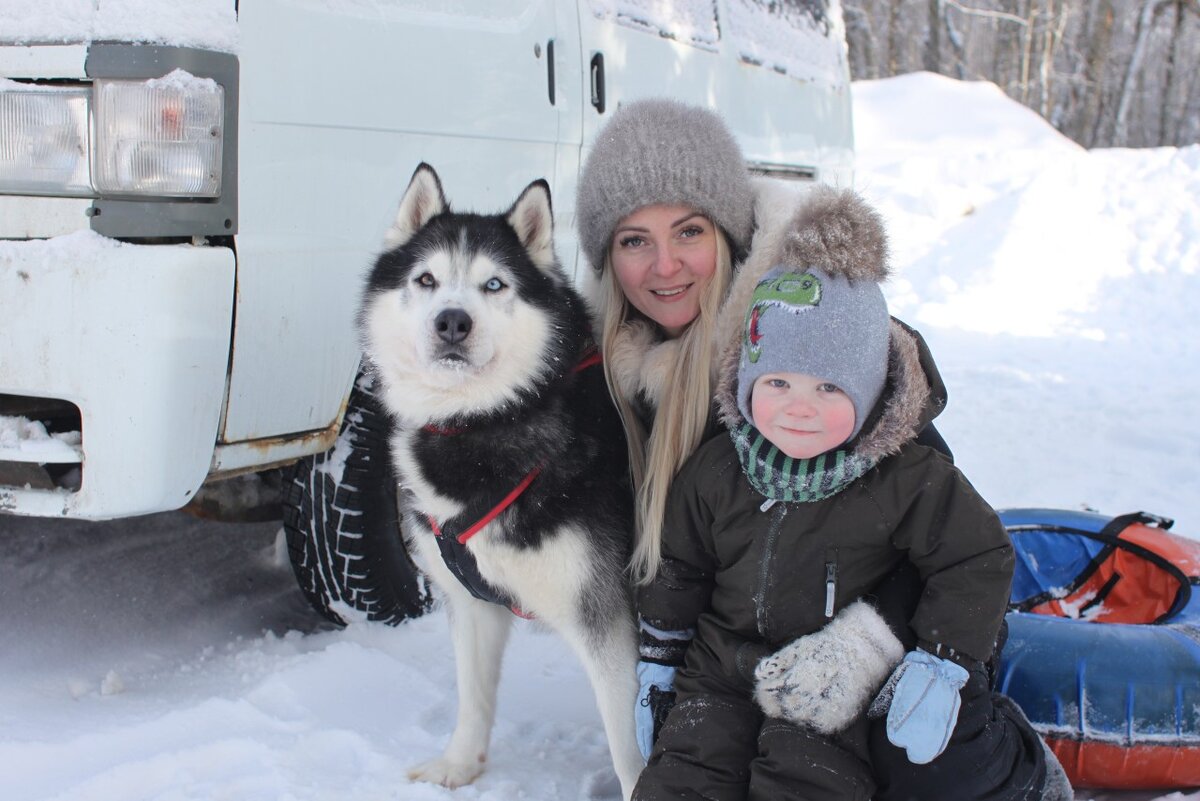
{"points": [[683, 412]]}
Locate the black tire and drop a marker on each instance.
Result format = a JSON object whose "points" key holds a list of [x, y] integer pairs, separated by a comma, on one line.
{"points": [[342, 524]]}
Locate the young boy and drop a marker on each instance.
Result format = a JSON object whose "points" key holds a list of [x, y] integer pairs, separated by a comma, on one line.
{"points": [[778, 532]]}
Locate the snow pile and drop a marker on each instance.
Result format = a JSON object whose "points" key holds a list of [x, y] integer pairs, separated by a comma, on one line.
{"points": [[210, 24], [183, 81], [24, 440]]}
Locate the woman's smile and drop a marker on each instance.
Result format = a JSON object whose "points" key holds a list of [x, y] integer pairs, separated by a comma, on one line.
{"points": [[663, 258]]}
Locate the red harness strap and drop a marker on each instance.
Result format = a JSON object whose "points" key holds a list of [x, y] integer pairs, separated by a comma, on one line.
{"points": [[494, 512], [463, 566], [590, 358]]}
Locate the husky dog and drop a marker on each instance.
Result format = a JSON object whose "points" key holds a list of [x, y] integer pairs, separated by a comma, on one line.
{"points": [[514, 486]]}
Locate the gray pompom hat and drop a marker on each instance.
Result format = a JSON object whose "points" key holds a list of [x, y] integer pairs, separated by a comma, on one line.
{"points": [[832, 327], [663, 152]]}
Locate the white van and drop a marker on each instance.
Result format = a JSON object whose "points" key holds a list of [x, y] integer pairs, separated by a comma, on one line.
{"points": [[190, 195]]}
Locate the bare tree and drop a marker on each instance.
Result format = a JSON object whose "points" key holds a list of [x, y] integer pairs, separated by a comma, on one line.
{"points": [[1145, 25], [933, 48], [1099, 35], [895, 36], [1052, 34], [1170, 121]]}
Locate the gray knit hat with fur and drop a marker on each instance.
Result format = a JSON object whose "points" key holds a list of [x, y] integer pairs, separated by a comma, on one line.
{"points": [[663, 152], [805, 320]]}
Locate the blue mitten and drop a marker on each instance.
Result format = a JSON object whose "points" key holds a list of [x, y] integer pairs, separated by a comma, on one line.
{"points": [[924, 705], [651, 675], [662, 651]]}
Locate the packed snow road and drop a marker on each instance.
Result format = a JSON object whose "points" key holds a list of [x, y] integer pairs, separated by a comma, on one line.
{"points": [[167, 658]]}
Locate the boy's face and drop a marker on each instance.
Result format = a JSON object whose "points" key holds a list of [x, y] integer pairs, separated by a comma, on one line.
{"points": [[800, 414]]}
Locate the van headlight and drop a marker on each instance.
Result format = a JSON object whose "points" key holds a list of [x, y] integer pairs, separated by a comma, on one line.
{"points": [[140, 138], [43, 140]]}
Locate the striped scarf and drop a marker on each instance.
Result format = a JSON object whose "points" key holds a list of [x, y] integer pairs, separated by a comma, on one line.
{"points": [[782, 478]]}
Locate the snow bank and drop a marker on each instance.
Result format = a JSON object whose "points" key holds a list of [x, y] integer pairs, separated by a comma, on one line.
{"points": [[24, 440]]}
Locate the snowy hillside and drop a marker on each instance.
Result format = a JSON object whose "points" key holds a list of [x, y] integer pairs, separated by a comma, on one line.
{"points": [[1057, 288], [167, 659]]}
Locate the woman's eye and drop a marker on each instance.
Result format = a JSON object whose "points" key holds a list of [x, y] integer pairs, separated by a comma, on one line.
{"points": [[427, 280], [494, 285], [690, 231], [631, 241]]}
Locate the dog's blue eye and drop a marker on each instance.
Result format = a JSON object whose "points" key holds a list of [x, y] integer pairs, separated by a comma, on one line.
{"points": [[494, 285], [427, 280]]}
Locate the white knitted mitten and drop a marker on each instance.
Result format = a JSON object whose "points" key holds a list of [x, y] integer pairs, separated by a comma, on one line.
{"points": [[825, 680]]}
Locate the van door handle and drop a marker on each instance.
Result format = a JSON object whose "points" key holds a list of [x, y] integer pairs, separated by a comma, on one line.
{"points": [[550, 68], [598, 82]]}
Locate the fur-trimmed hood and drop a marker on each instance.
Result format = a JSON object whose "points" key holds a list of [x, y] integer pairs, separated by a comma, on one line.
{"points": [[835, 230]]}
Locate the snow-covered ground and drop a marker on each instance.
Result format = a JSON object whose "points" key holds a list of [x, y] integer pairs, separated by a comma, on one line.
{"points": [[168, 659]]}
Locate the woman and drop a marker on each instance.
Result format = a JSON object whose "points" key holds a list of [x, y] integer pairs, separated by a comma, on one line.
{"points": [[666, 210]]}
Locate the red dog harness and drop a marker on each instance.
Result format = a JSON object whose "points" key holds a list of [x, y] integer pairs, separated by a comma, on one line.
{"points": [[457, 557]]}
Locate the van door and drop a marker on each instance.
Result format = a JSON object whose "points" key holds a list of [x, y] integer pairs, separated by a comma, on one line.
{"points": [[339, 103], [776, 70]]}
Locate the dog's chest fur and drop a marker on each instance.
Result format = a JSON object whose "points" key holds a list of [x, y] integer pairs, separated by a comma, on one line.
{"points": [[457, 477]]}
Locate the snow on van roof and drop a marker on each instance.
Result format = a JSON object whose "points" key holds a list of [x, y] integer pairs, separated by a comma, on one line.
{"points": [[803, 39], [692, 22], [210, 24]]}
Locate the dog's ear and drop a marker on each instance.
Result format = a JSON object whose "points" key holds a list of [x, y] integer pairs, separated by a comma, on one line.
{"points": [[422, 201], [533, 220]]}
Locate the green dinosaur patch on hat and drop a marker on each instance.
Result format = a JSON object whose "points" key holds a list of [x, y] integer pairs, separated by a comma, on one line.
{"points": [[793, 292]]}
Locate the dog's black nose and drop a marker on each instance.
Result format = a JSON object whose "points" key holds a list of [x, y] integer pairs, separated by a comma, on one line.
{"points": [[452, 325]]}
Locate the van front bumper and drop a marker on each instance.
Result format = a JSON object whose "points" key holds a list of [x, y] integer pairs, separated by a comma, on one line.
{"points": [[137, 337]]}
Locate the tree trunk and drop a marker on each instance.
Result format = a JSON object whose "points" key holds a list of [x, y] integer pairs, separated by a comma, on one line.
{"points": [[860, 43], [1006, 58], [957, 47], [1169, 123], [933, 47], [1056, 22], [1027, 52], [1099, 45], [1144, 26], [895, 35]]}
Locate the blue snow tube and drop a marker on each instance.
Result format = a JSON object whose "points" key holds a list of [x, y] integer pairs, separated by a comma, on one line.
{"points": [[1103, 652]]}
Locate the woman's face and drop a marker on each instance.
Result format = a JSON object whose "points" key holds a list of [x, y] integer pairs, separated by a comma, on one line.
{"points": [[663, 258]]}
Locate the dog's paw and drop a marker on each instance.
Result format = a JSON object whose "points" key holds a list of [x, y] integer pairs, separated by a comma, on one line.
{"points": [[445, 772]]}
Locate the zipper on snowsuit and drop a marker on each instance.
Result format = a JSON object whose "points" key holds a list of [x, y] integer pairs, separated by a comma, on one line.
{"points": [[830, 581]]}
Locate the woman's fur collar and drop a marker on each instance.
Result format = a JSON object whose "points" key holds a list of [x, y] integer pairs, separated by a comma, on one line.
{"points": [[641, 361]]}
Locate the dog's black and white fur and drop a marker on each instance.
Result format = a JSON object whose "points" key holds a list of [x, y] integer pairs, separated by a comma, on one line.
{"points": [[476, 336]]}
